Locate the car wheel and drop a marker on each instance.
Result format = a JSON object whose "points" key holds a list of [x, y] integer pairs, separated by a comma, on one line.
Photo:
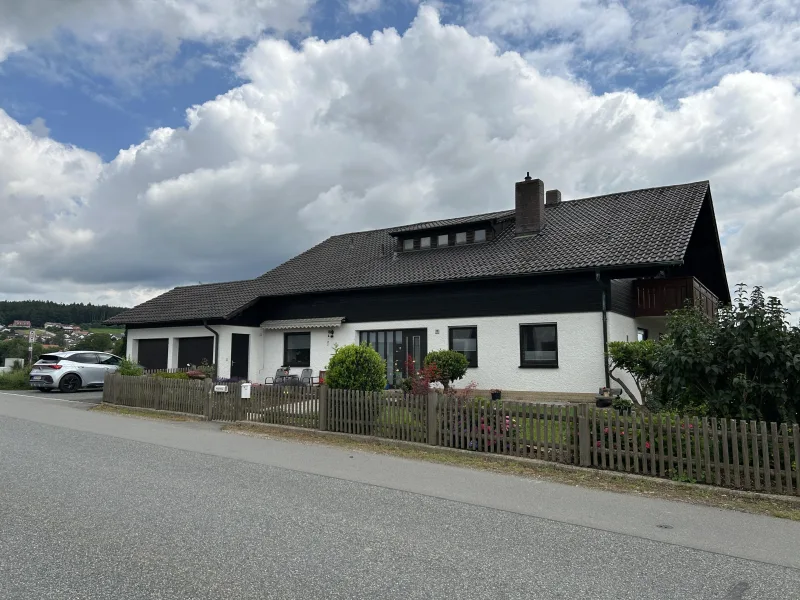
{"points": [[70, 383]]}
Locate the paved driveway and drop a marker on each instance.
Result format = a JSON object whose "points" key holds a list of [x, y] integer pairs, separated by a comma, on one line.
{"points": [[87, 396], [102, 506]]}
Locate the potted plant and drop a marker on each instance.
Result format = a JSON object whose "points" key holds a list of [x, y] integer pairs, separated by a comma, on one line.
{"points": [[495, 394]]}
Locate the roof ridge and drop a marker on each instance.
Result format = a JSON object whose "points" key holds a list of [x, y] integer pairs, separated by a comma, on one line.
{"points": [[655, 187]]}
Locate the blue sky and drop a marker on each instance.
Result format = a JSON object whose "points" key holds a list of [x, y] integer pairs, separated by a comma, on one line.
{"points": [[157, 142]]}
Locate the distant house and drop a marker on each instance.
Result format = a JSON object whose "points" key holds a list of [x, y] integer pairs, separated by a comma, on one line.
{"points": [[50, 325], [68, 328], [21, 324], [530, 295]]}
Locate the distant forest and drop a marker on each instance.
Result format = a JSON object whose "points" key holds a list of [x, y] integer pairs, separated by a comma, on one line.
{"points": [[39, 312]]}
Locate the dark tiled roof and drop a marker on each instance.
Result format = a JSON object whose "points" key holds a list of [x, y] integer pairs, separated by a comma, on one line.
{"points": [[194, 302], [650, 226]]}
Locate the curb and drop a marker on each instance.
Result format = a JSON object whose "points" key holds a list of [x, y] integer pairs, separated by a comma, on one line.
{"points": [[500, 458]]}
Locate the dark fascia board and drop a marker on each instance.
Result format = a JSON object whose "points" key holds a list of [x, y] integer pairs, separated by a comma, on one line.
{"points": [[719, 245], [587, 270], [433, 231]]}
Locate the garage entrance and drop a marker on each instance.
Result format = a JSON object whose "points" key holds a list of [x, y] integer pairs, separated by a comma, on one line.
{"points": [[152, 354], [192, 351]]}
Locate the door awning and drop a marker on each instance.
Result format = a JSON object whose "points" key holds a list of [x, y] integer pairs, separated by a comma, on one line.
{"points": [[315, 323]]}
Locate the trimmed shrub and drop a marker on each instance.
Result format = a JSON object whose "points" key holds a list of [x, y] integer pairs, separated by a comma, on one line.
{"points": [[450, 366], [165, 375], [129, 368], [195, 375], [354, 367]]}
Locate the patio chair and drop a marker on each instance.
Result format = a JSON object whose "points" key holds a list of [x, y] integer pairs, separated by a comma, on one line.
{"points": [[307, 377], [278, 374]]}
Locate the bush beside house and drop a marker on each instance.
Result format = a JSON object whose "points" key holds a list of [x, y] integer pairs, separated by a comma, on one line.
{"points": [[356, 367]]}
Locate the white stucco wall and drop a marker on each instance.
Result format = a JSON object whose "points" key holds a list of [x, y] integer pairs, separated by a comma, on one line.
{"points": [[256, 363], [625, 329], [580, 350]]}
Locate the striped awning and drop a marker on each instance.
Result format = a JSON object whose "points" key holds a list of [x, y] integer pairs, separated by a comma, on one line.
{"points": [[315, 323]]}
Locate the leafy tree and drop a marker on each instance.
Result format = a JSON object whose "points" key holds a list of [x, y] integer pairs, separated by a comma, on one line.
{"points": [[639, 360], [354, 367], [18, 348], [744, 364], [120, 346], [99, 342], [40, 312], [450, 366]]}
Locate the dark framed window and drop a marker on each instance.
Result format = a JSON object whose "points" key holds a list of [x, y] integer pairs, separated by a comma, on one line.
{"points": [[297, 349], [480, 235], [641, 334], [461, 237], [408, 244], [442, 241], [465, 341], [538, 345], [425, 242]]}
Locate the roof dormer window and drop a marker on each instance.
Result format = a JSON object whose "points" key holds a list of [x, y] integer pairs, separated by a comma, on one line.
{"points": [[480, 235], [443, 241], [408, 244], [424, 243], [461, 237]]}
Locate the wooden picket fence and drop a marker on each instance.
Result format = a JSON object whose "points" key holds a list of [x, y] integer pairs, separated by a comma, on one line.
{"points": [[387, 415], [749, 455]]}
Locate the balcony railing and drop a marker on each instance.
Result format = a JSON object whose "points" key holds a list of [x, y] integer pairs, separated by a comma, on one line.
{"points": [[654, 297]]}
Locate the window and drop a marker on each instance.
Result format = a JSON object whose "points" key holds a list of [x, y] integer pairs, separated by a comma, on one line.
{"points": [[109, 359], [425, 242], [465, 340], [443, 241], [87, 358], [641, 334], [408, 244], [297, 349], [461, 237], [538, 345], [480, 235]]}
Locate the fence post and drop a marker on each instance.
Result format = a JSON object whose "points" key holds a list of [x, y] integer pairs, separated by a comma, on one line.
{"points": [[157, 396], [323, 407], [584, 441], [433, 405], [207, 404]]}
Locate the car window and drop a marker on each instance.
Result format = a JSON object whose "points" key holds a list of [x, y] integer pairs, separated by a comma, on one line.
{"points": [[84, 358], [109, 359]]}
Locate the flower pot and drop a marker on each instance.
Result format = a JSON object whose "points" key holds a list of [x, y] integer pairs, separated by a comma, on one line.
{"points": [[602, 402], [496, 395]]}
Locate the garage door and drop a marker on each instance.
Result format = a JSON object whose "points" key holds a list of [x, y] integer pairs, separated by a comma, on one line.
{"points": [[153, 353], [193, 350]]}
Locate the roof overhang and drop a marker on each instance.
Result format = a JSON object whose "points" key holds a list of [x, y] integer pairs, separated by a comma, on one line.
{"points": [[315, 323]]}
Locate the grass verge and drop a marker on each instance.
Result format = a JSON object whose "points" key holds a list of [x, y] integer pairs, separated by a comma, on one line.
{"points": [[144, 413], [787, 508]]}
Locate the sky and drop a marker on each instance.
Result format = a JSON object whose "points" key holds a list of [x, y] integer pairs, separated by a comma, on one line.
{"points": [[146, 144]]}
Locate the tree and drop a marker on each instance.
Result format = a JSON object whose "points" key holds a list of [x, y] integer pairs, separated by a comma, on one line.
{"points": [[744, 364], [450, 366], [99, 342], [355, 367], [639, 360]]}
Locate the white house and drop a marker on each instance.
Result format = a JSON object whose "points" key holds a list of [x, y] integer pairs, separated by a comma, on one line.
{"points": [[530, 295]]}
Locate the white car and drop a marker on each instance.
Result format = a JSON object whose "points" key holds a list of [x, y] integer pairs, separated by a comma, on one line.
{"points": [[71, 371]]}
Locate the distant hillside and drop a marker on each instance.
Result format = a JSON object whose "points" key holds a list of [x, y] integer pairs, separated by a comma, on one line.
{"points": [[39, 312]]}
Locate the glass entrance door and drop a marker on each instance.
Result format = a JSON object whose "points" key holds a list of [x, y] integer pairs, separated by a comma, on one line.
{"points": [[395, 346]]}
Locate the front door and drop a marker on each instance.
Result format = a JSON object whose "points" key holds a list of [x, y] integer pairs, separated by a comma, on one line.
{"points": [[240, 355]]}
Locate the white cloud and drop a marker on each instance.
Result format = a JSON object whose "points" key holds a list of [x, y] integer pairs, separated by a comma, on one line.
{"points": [[356, 133], [360, 7], [38, 127]]}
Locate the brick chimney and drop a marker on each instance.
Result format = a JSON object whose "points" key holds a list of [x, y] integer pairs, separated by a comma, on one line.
{"points": [[529, 206], [552, 197]]}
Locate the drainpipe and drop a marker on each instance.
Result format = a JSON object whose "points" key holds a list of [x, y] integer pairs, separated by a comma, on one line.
{"points": [[605, 326], [216, 347]]}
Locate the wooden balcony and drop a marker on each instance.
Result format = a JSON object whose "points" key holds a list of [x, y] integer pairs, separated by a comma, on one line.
{"points": [[655, 297]]}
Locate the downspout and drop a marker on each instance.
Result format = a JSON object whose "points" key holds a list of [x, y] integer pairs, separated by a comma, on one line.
{"points": [[216, 347], [605, 326]]}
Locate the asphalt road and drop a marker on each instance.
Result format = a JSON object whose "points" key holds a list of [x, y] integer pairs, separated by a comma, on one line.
{"points": [[92, 396], [101, 506]]}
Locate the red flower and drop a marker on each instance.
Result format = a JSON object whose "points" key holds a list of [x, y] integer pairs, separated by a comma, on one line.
{"points": [[647, 445], [605, 430], [598, 444]]}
